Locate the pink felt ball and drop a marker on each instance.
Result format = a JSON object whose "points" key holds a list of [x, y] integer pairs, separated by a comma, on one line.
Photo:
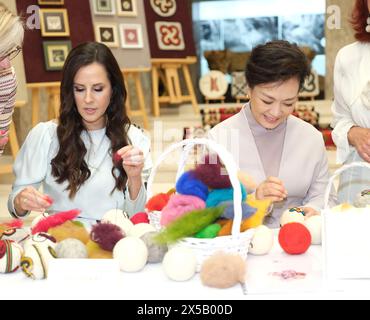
{"points": [[294, 238], [141, 217], [117, 159]]}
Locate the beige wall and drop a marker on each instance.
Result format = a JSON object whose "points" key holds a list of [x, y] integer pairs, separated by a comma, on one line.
{"points": [[336, 39]]}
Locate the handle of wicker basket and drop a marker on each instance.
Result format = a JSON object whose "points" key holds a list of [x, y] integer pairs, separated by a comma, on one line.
{"points": [[336, 174], [226, 158]]}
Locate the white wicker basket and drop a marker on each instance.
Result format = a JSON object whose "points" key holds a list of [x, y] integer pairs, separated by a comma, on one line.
{"points": [[237, 243], [346, 238]]}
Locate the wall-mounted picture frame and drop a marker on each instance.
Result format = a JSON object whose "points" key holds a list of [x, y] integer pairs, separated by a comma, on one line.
{"points": [[104, 7], [56, 53], [127, 8], [54, 23], [51, 2], [107, 33], [131, 36]]}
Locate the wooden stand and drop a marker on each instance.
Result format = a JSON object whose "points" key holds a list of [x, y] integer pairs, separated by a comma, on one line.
{"points": [[221, 99], [53, 92], [141, 112], [13, 142], [167, 71]]}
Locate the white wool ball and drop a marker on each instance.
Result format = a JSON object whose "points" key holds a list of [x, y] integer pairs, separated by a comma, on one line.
{"points": [[362, 200], [180, 264], [119, 218], [36, 259], [292, 215], [314, 225], [71, 249], [38, 218], [262, 241], [131, 253], [140, 229], [156, 251], [10, 256]]}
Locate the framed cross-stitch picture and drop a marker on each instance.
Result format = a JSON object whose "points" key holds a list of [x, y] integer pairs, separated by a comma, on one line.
{"points": [[56, 53], [127, 8], [131, 36], [51, 2], [107, 33], [54, 23], [104, 7]]}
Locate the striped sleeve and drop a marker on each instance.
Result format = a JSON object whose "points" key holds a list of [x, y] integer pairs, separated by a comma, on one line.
{"points": [[8, 90]]}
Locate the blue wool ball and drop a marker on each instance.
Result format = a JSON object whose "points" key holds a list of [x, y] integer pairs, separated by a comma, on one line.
{"points": [[247, 211], [217, 196], [188, 185]]}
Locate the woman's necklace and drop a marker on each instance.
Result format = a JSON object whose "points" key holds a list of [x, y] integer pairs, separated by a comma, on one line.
{"points": [[93, 150]]}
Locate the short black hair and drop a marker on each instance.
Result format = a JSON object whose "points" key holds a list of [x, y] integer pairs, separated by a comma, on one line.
{"points": [[276, 61]]}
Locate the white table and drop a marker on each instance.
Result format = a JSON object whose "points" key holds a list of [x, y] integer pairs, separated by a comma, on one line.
{"points": [[152, 283]]}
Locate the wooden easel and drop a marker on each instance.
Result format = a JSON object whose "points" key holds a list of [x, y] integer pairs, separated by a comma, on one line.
{"points": [[141, 112], [53, 92], [13, 142], [167, 71]]}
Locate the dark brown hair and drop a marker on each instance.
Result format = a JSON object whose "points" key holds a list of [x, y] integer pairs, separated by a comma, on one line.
{"points": [[69, 164], [360, 13], [276, 61]]}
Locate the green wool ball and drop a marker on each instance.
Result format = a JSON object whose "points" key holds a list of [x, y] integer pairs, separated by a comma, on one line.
{"points": [[210, 232]]}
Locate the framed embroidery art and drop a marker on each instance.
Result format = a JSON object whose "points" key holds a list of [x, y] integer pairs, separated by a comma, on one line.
{"points": [[107, 33], [54, 23], [131, 36], [56, 53], [127, 8], [51, 2], [104, 7]]}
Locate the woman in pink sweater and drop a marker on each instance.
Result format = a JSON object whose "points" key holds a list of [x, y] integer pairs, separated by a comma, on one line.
{"points": [[11, 39]]}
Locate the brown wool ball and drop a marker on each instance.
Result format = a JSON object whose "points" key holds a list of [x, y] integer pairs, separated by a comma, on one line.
{"points": [[223, 271]]}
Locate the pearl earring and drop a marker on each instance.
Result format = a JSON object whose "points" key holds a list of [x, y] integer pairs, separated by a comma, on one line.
{"points": [[368, 24]]}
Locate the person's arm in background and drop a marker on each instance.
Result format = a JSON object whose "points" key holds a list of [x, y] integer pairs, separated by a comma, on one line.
{"points": [[8, 89], [346, 134]]}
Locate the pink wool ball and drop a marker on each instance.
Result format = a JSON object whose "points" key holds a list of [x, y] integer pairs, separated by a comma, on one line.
{"points": [[178, 206]]}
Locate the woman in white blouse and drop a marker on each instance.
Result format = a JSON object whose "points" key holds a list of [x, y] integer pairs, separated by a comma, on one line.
{"points": [[351, 107], [92, 158]]}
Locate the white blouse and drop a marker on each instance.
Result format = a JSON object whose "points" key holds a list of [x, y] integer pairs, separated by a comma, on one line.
{"points": [[351, 105], [33, 168]]}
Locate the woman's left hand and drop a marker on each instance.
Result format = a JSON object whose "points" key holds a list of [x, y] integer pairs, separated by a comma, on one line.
{"points": [[309, 212], [132, 161]]}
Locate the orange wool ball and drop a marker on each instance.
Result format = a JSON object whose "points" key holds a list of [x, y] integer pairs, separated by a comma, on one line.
{"points": [[158, 202]]}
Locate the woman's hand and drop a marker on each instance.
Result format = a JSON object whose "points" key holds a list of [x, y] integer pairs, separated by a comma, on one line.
{"points": [[31, 200], [132, 161], [3, 140], [5, 64], [309, 212], [133, 164], [360, 139], [272, 189]]}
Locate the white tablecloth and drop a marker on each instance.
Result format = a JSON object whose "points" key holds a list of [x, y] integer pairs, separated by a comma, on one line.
{"points": [[152, 283]]}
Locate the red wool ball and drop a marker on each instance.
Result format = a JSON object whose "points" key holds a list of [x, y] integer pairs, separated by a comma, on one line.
{"points": [[141, 217], [294, 238], [117, 159]]}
